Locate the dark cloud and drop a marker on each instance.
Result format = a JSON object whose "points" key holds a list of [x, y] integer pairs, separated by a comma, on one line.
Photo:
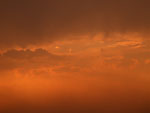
{"points": [[31, 22], [14, 59]]}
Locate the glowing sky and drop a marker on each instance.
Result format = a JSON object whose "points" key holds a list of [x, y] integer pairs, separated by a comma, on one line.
{"points": [[74, 56]]}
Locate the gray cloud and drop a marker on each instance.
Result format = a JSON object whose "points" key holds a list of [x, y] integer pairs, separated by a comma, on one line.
{"points": [[14, 59], [31, 22]]}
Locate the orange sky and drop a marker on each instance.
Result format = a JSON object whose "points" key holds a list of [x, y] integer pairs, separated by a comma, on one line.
{"points": [[85, 56]]}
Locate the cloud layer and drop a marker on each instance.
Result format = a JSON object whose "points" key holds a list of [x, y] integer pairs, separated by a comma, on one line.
{"points": [[33, 22], [74, 56]]}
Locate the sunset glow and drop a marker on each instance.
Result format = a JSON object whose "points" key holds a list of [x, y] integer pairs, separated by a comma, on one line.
{"points": [[77, 56]]}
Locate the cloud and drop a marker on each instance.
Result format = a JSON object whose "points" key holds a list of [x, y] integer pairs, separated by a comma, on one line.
{"points": [[87, 62], [109, 73], [14, 59], [33, 22]]}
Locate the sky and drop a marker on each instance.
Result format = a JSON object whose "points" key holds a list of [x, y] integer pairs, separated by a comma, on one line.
{"points": [[74, 56]]}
